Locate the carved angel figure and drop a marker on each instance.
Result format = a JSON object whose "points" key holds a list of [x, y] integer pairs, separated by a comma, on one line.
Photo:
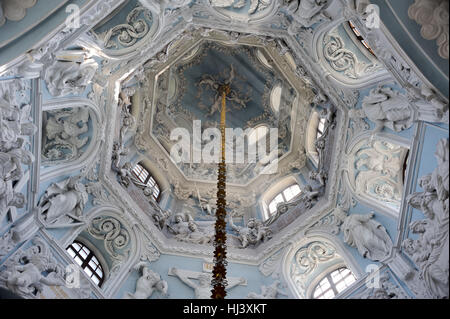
{"points": [[253, 233], [64, 78], [26, 274], [63, 203], [367, 235], [148, 282]]}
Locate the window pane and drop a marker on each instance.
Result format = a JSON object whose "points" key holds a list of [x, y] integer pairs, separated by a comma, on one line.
{"points": [[88, 271], [341, 286], [95, 280], [99, 272], [81, 257], [288, 195], [295, 189], [71, 252], [92, 264], [272, 206], [279, 199], [83, 253], [328, 295], [78, 260], [76, 246]]}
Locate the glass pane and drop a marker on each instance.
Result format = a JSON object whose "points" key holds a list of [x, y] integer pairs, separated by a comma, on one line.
{"points": [[295, 189], [88, 271], [328, 295], [350, 280], [71, 252], [99, 272], [341, 286], [95, 280], [279, 199], [321, 126], [288, 195], [92, 264], [78, 260], [76, 246], [324, 284], [83, 253], [272, 206]]}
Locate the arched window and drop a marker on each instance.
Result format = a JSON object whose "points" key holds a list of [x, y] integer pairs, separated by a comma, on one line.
{"points": [[320, 127], [86, 259], [360, 38], [333, 283], [286, 195], [145, 177]]}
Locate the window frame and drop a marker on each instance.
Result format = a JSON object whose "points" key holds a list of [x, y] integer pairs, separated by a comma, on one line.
{"points": [[147, 179], [360, 38], [269, 213], [85, 261], [333, 284]]}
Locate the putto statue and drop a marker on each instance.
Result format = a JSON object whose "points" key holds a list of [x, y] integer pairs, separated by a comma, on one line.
{"points": [[254, 233], [63, 203], [28, 272], [68, 77], [367, 235], [148, 282]]}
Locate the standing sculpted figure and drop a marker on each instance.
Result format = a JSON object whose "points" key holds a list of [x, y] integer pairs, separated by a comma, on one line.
{"points": [[367, 235]]}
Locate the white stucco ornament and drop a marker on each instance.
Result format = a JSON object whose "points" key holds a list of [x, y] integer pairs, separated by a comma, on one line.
{"points": [[64, 78], [367, 235], [14, 10], [432, 15]]}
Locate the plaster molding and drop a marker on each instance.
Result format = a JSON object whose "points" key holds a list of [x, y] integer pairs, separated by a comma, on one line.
{"points": [[432, 16]]}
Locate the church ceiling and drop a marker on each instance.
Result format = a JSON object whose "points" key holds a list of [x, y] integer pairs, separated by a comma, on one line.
{"points": [[186, 93], [95, 100]]}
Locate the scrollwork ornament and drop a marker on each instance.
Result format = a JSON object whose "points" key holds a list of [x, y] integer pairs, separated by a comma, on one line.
{"points": [[116, 238]]}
